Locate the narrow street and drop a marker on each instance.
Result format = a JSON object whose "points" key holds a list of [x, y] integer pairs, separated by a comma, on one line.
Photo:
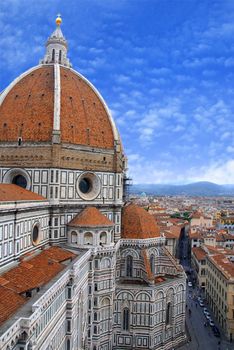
{"points": [[202, 337]]}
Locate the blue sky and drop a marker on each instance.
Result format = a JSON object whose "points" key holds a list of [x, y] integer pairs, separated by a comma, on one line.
{"points": [[164, 67]]}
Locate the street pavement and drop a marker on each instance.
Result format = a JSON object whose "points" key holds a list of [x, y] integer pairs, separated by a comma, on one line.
{"points": [[202, 338]]}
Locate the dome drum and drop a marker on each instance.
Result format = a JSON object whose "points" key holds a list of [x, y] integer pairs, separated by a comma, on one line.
{"points": [[88, 186], [60, 156]]}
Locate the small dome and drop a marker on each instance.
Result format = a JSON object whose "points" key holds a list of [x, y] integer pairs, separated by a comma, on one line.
{"points": [[137, 223], [90, 216]]}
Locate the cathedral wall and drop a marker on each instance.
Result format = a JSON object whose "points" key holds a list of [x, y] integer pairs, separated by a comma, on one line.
{"points": [[57, 318], [16, 229], [150, 297], [101, 294], [148, 324], [61, 185]]}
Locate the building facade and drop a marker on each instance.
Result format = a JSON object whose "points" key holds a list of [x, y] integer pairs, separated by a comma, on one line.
{"points": [[81, 269]]}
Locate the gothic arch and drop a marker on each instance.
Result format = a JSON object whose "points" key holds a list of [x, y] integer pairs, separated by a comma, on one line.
{"points": [[180, 288], [105, 301], [129, 265], [152, 263], [170, 294], [143, 296], [159, 295], [105, 263], [130, 251], [125, 296], [154, 251]]}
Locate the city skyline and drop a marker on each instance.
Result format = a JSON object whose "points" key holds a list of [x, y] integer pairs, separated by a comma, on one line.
{"points": [[165, 69]]}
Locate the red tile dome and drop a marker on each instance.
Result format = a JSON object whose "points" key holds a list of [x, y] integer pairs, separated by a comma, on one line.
{"points": [[137, 223], [28, 106]]}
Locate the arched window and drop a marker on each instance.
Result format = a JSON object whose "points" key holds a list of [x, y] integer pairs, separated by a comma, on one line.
{"points": [[73, 237], [129, 268], [168, 313], [125, 322], [95, 330], [68, 344], [103, 238], [95, 316], [53, 55], [88, 238], [60, 56], [152, 263]]}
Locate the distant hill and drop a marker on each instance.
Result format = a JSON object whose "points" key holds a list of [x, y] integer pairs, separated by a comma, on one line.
{"points": [[202, 188]]}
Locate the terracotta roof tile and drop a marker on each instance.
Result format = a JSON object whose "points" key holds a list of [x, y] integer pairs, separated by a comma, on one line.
{"points": [[176, 231], [138, 223], [58, 254], [84, 120], [30, 274], [195, 235], [36, 271], [27, 110], [223, 264], [90, 216], [199, 253], [14, 193], [169, 235], [10, 301], [159, 279]]}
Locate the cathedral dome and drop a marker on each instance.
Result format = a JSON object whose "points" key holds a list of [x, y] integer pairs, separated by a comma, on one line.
{"points": [[53, 103], [137, 223]]}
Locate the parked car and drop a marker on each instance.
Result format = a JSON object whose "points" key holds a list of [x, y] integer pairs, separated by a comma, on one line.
{"points": [[211, 322], [216, 331], [201, 303], [205, 310], [208, 316], [190, 284]]}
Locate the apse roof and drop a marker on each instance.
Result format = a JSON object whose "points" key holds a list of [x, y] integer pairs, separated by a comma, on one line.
{"points": [[137, 223], [92, 217]]}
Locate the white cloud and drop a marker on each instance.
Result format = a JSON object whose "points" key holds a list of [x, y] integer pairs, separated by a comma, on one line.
{"points": [[219, 172]]}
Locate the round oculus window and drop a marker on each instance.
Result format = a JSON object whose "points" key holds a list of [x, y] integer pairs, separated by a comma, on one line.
{"points": [[85, 185], [35, 234], [88, 186], [19, 180]]}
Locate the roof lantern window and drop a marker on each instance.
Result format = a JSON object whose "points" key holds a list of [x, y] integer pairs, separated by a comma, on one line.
{"points": [[56, 47]]}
